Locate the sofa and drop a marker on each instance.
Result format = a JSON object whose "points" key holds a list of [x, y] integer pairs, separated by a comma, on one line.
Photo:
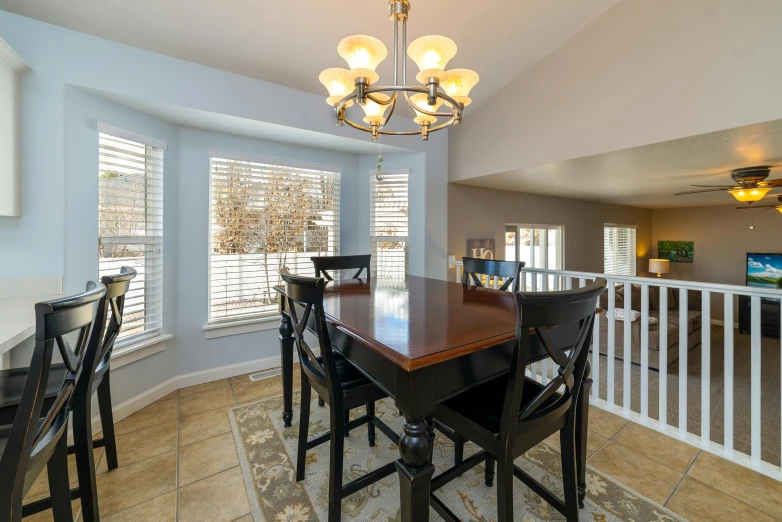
{"points": [[694, 322]]}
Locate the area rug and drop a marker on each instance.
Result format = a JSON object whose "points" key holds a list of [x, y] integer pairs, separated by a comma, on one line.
{"points": [[267, 452]]}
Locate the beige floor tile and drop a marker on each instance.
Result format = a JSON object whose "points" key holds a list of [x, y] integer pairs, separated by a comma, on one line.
{"points": [[222, 383], [203, 426], [666, 450], [698, 502], [130, 485], [246, 518], [143, 444], [173, 395], [737, 481], [46, 516], [159, 509], [250, 391], [605, 423], [649, 478], [156, 413], [41, 484], [594, 442], [207, 457], [220, 498], [205, 401], [241, 379]]}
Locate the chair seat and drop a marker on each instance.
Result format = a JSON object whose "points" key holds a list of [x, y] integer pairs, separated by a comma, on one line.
{"points": [[349, 376], [12, 384], [482, 405]]}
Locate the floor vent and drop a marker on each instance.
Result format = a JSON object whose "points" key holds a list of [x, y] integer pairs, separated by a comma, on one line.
{"points": [[265, 375]]}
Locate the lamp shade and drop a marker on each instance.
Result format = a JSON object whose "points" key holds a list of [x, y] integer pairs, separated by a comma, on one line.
{"points": [[779, 208], [659, 266], [431, 54], [363, 54], [375, 112], [459, 84], [339, 84], [422, 100], [750, 195]]}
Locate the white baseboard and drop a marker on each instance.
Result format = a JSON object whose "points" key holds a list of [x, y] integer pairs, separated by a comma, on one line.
{"points": [[134, 404]]}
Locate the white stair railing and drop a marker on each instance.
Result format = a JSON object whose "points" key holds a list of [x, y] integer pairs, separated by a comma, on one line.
{"points": [[543, 280]]}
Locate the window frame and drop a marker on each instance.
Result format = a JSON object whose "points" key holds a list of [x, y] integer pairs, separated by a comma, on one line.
{"points": [[373, 239], [152, 299], [634, 249], [214, 328], [560, 228]]}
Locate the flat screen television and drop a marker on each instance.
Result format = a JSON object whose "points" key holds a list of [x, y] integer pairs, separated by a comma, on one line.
{"points": [[764, 270]]}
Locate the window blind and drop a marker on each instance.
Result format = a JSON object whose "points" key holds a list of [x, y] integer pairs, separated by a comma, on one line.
{"points": [[619, 250], [264, 216], [130, 229], [388, 224]]}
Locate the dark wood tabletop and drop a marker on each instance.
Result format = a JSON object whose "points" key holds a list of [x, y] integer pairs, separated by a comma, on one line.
{"points": [[416, 321]]}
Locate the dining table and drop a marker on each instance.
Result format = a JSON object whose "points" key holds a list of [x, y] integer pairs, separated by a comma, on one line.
{"points": [[423, 341]]}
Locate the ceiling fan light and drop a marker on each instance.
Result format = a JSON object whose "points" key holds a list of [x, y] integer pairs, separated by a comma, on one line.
{"points": [[459, 84], [749, 195], [363, 54], [431, 54], [338, 83], [779, 208], [375, 112], [422, 100]]}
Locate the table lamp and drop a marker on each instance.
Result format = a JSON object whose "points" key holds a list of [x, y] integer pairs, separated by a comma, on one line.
{"points": [[659, 266]]}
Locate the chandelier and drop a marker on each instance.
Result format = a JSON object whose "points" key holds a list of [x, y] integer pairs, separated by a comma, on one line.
{"points": [[437, 87]]}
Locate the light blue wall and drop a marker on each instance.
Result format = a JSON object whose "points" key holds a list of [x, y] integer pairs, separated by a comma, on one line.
{"points": [[56, 234]]}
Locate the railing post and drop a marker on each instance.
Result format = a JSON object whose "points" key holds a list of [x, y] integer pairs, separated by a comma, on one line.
{"points": [[611, 338], [628, 334], [755, 379], [595, 357], [683, 318], [645, 353], [728, 377], [705, 368], [663, 363]]}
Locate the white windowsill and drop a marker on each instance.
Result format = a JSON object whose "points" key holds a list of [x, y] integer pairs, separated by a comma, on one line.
{"points": [[133, 352], [257, 324]]}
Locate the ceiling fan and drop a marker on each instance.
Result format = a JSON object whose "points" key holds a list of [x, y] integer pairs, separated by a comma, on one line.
{"points": [[751, 184], [777, 205]]}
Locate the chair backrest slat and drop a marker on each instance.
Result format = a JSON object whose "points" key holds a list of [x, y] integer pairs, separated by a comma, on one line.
{"points": [[474, 267], [325, 263]]}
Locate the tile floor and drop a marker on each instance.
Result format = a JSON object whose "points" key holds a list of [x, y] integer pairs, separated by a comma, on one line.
{"points": [[178, 462]]}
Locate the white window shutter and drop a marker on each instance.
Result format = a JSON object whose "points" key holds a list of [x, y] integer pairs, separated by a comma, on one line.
{"points": [[130, 229], [263, 217], [388, 224], [619, 247]]}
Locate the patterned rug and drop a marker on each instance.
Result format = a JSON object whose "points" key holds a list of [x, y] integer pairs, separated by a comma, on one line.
{"points": [[267, 454]]}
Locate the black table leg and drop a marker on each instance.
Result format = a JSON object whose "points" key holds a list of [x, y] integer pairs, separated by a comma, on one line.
{"points": [[582, 425], [286, 355], [415, 470], [430, 431]]}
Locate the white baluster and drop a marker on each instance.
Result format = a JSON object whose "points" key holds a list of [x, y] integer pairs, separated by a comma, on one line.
{"points": [[545, 282], [596, 358], [556, 283], [581, 282], [755, 379], [568, 283], [496, 282], [545, 370], [683, 318], [523, 282], [534, 282], [627, 348], [611, 337], [728, 421], [706, 368], [663, 364], [645, 353], [459, 273]]}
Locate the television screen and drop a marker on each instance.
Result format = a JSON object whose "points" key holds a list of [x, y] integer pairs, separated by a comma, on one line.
{"points": [[764, 270]]}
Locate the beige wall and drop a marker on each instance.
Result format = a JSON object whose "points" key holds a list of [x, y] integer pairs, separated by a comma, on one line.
{"points": [[478, 213], [722, 239]]}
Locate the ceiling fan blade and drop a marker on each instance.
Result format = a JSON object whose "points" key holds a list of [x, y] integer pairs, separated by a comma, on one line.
{"points": [[724, 187], [701, 191], [750, 207], [773, 182]]}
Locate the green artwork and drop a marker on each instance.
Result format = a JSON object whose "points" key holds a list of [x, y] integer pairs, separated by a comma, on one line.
{"points": [[676, 251]]}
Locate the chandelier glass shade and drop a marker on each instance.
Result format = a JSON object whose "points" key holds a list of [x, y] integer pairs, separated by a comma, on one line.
{"points": [[436, 87]]}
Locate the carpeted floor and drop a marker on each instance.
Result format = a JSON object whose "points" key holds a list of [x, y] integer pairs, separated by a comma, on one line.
{"points": [[770, 392], [267, 454]]}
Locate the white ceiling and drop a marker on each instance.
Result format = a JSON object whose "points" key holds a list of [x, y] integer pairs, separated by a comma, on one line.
{"points": [[261, 130], [648, 176], [290, 42]]}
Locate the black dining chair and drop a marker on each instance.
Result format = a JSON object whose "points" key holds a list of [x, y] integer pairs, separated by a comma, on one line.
{"points": [[36, 438], [342, 386], [474, 267], [97, 357], [325, 263], [509, 415]]}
